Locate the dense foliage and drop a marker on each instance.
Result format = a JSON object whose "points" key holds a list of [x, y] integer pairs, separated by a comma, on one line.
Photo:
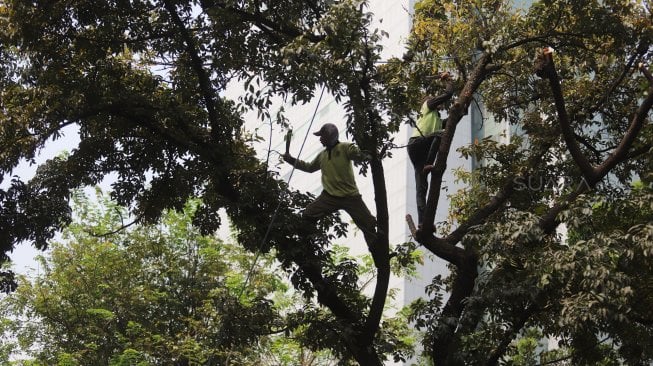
{"points": [[160, 294], [570, 81], [144, 82]]}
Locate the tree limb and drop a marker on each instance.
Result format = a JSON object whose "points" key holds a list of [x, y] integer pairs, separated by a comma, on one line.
{"points": [[262, 22], [509, 335], [203, 77], [463, 285], [456, 112], [545, 68], [637, 123], [483, 212], [614, 85], [380, 252]]}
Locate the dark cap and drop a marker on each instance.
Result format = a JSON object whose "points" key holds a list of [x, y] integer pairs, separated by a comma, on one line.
{"points": [[328, 130]]}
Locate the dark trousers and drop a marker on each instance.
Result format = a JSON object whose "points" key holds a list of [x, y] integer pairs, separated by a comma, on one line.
{"points": [[325, 204], [422, 151]]}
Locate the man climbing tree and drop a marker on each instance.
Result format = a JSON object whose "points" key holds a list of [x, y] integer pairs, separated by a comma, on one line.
{"points": [[425, 141], [340, 189]]}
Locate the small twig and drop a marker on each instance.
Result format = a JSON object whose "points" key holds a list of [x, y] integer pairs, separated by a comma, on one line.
{"points": [[112, 232]]}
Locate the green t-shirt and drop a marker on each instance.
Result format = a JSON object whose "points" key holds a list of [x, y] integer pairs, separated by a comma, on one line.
{"points": [[428, 123], [337, 171]]}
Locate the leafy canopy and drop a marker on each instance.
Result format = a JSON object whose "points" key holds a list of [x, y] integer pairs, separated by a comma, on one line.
{"points": [[154, 294], [145, 84]]}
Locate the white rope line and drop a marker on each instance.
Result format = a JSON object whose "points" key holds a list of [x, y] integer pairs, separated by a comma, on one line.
{"points": [[276, 211]]}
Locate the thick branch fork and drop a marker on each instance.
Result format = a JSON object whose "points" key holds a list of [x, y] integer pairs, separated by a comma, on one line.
{"points": [[545, 68], [464, 259]]}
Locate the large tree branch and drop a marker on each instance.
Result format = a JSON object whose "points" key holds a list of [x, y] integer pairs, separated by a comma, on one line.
{"points": [[456, 113], [444, 249], [466, 261], [545, 68], [510, 334], [482, 213], [444, 341], [380, 252], [362, 98], [197, 65], [264, 23], [640, 116]]}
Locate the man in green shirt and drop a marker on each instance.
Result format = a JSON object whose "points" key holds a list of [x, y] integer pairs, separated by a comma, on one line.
{"points": [[339, 185], [425, 141]]}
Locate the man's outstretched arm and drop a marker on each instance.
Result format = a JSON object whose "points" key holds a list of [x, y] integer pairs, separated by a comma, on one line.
{"points": [[311, 167], [433, 103], [289, 158]]}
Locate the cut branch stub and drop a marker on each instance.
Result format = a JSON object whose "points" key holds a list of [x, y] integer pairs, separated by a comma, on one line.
{"points": [[646, 72], [543, 65]]}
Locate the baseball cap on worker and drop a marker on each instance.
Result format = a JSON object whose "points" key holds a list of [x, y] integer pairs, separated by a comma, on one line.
{"points": [[327, 130]]}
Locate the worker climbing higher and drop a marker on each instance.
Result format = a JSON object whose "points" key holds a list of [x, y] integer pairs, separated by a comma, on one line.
{"points": [[339, 185], [425, 141]]}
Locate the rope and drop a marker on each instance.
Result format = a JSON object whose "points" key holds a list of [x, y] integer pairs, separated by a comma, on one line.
{"points": [[276, 211]]}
